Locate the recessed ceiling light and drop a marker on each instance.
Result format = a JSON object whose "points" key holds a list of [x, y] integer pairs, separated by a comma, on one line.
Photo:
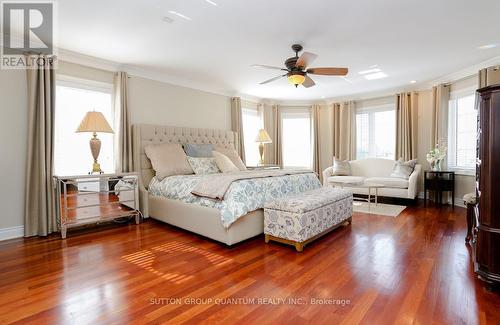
{"points": [[322, 97], [377, 75], [370, 71], [213, 3], [413, 81], [180, 15], [487, 46], [167, 19]]}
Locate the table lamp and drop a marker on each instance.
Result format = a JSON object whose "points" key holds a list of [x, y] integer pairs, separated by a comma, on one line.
{"points": [[95, 122], [262, 138]]}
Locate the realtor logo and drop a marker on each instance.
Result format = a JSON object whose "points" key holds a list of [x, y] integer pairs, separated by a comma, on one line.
{"points": [[27, 27]]}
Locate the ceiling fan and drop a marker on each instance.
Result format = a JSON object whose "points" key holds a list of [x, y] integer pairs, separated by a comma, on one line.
{"points": [[297, 70]]}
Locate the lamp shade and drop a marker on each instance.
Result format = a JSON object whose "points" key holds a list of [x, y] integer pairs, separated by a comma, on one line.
{"points": [[263, 137], [94, 122]]}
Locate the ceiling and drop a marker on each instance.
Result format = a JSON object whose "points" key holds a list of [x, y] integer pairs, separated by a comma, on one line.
{"points": [[408, 40]]}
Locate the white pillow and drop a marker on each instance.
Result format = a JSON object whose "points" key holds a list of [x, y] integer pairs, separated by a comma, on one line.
{"points": [[224, 163], [403, 169], [341, 167], [233, 155]]}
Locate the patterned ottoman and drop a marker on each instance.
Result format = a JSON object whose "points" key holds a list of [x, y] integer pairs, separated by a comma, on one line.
{"points": [[299, 219]]}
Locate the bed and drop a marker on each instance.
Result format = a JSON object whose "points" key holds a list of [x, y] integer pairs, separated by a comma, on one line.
{"points": [[179, 208]]}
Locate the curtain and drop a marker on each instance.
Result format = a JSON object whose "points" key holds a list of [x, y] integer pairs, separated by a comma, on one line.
{"points": [[489, 76], [237, 124], [406, 126], [39, 211], [316, 135], [440, 98], [344, 130], [122, 124], [276, 135]]}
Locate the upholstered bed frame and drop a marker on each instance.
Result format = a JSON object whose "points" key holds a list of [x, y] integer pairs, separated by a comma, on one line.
{"points": [[198, 219]]}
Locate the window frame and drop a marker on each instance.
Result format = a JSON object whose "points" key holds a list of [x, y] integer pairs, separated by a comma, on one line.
{"points": [[452, 130], [88, 85], [298, 111], [371, 110]]}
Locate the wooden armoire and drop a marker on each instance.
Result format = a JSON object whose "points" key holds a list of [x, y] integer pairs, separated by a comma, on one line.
{"points": [[486, 234]]}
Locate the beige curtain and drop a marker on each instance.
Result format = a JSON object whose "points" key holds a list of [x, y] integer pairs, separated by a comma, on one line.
{"points": [[267, 115], [489, 76], [344, 130], [276, 135], [237, 124], [39, 212], [122, 124], [316, 136], [406, 126], [440, 98]]}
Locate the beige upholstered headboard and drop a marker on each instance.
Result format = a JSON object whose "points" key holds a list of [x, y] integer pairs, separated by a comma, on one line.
{"points": [[145, 134]]}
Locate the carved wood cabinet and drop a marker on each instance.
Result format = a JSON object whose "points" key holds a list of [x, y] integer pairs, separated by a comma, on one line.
{"points": [[486, 237]]}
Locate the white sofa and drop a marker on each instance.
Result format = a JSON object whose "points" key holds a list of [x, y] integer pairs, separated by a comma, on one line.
{"points": [[376, 170]]}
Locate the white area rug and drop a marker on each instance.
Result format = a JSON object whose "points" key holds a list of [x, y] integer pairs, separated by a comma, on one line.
{"points": [[380, 209]]}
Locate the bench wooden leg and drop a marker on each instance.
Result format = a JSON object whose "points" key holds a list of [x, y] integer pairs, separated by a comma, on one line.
{"points": [[299, 247], [266, 238]]}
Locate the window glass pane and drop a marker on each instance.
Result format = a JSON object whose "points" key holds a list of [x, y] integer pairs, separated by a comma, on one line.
{"points": [[252, 123], [376, 134], [462, 133], [296, 139], [72, 154]]}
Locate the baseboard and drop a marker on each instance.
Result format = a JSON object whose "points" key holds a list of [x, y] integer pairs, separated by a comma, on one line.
{"points": [[459, 202], [12, 232]]}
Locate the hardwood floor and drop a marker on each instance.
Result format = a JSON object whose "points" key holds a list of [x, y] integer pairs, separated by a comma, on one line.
{"points": [[413, 269]]}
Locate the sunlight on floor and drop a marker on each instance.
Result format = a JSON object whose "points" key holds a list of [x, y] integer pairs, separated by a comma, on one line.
{"points": [[146, 258]]}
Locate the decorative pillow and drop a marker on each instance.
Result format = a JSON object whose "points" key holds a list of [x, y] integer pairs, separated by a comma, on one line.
{"points": [[233, 155], [341, 167], [198, 150], [203, 166], [168, 159], [224, 163], [403, 169]]}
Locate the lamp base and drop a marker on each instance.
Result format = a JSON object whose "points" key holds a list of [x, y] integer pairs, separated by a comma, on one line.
{"points": [[95, 148], [261, 152]]}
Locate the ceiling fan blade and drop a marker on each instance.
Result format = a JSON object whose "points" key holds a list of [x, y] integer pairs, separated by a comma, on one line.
{"points": [[272, 79], [329, 71], [308, 82], [267, 67], [305, 59]]}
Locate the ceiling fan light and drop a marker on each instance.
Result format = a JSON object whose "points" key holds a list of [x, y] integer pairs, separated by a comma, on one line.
{"points": [[296, 79]]}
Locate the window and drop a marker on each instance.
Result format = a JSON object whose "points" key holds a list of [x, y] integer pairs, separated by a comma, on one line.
{"points": [[376, 132], [72, 151], [252, 123], [462, 124], [296, 138]]}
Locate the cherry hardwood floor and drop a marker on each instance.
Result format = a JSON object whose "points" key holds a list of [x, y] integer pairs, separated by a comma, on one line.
{"points": [[413, 269]]}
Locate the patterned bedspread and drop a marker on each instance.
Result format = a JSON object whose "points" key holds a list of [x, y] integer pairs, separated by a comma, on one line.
{"points": [[242, 197]]}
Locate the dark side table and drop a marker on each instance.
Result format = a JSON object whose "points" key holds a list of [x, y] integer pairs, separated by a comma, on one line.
{"points": [[439, 182]]}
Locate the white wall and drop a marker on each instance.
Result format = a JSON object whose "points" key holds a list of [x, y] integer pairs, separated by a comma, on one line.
{"points": [[13, 142]]}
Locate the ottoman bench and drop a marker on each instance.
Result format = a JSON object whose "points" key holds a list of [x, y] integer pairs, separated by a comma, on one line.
{"points": [[299, 219]]}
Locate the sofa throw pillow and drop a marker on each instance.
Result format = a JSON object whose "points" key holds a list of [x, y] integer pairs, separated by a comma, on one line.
{"points": [[403, 169], [341, 167], [203, 166], [233, 155], [198, 150], [224, 163], [168, 159]]}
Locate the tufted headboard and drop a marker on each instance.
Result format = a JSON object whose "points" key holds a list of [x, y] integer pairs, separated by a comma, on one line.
{"points": [[145, 134]]}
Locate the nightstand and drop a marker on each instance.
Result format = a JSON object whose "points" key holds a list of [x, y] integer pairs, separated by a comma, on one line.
{"points": [[439, 182], [263, 167], [87, 199]]}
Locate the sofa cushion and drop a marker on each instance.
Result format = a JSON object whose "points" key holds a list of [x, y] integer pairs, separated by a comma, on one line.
{"points": [[341, 167], [403, 169], [346, 179], [393, 182]]}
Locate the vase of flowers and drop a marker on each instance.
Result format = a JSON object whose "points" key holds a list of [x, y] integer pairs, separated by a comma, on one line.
{"points": [[436, 156]]}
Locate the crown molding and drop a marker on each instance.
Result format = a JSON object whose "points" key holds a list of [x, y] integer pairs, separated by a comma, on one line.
{"points": [[466, 72]]}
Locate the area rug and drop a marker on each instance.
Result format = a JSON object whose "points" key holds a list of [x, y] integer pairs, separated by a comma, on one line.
{"points": [[388, 210]]}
